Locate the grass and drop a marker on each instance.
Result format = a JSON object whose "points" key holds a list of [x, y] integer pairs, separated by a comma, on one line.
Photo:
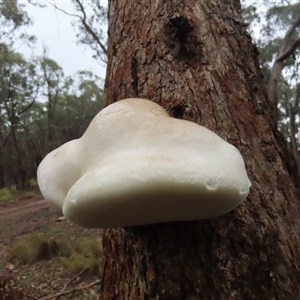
{"points": [[76, 255], [86, 256], [28, 194], [41, 246], [6, 194], [10, 193]]}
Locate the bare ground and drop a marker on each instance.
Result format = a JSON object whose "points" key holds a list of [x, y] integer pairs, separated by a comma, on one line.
{"points": [[45, 278]]}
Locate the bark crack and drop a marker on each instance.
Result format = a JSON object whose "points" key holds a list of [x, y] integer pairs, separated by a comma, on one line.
{"points": [[134, 75]]}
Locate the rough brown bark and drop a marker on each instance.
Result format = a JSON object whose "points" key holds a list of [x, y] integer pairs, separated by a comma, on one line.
{"points": [[293, 134], [196, 59]]}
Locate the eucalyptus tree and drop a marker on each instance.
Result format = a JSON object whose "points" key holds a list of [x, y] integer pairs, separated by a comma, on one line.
{"points": [[279, 45], [90, 18], [13, 19], [196, 59], [82, 98], [19, 88], [52, 80], [75, 101]]}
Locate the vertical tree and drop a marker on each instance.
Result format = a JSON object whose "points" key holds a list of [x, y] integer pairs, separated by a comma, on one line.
{"points": [[52, 79], [196, 59], [279, 45], [18, 91], [12, 19], [287, 57], [288, 45], [83, 97]]}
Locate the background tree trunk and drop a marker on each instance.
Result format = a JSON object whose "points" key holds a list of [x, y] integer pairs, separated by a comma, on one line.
{"points": [[2, 177], [290, 44], [196, 59], [293, 135]]}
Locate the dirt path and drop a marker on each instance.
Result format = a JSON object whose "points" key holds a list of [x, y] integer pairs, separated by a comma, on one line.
{"points": [[22, 207], [26, 217]]}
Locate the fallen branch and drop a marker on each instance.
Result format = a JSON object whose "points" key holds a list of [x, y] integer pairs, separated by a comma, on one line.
{"points": [[76, 289], [72, 279]]}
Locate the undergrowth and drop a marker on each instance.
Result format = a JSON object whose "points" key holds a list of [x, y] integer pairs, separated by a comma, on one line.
{"points": [[6, 194], [10, 193], [76, 255], [86, 256], [10, 290]]}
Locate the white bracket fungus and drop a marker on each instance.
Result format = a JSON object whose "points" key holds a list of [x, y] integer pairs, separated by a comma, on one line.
{"points": [[136, 165]]}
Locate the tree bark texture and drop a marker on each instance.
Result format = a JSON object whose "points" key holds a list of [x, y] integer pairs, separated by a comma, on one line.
{"points": [[196, 59], [293, 135]]}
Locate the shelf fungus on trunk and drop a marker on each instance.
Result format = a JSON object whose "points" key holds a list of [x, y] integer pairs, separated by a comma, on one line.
{"points": [[135, 165]]}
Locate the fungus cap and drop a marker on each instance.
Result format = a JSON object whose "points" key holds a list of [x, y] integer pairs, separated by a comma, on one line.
{"points": [[136, 165]]}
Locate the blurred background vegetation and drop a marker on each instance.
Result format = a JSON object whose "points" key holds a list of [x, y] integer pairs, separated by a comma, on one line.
{"points": [[40, 108]]}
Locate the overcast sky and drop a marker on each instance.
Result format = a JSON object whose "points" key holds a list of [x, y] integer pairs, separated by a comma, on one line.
{"points": [[54, 30]]}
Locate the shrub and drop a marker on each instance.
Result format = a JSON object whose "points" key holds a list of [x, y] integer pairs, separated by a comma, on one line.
{"points": [[77, 255], [85, 258], [39, 246], [6, 194]]}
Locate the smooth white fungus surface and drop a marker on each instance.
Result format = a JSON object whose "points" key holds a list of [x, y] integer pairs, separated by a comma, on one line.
{"points": [[136, 165]]}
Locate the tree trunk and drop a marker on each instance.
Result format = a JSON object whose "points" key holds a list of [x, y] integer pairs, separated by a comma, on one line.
{"points": [[196, 59], [273, 84], [20, 173], [2, 175], [293, 134], [289, 45]]}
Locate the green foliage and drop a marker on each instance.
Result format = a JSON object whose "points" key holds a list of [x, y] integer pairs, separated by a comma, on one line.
{"points": [[282, 15], [29, 194], [251, 16], [40, 110], [19, 86], [11, 193], [77, 255], [11, 12], [12, 18], [86, 257], [6, 194], [40, 246], [91, 31]]}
